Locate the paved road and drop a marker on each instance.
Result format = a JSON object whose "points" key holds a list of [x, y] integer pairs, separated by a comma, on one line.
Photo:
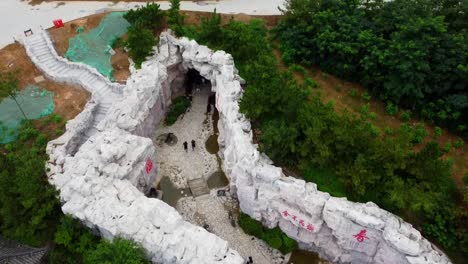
{"points": [[17, 15]]}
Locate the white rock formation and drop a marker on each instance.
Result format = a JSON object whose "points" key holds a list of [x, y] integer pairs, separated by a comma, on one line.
{"points": [[340, 230], [102, 175], [100, 181]]}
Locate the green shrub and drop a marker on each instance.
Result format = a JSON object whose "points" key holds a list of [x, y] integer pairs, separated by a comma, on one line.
{"points": [[250, 226], [375, 131], [56, 119], [178, 107], [366, 97], [391, 109], [297, 68], [405, 116], [140, 43], [309, 82], [353, 92], [389, 131], [437, 131], [289, 244], [27, 133], [58, 132], [274, 237], [459, 143], [365, 110], [406, 129], [275, 242], [325, 75], [372, 115], [419, 134], [447, 147], [148, 17], [41, 141]]}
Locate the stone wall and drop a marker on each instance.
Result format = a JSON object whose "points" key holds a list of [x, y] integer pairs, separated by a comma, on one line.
{"points": [[340, 230], [102, 178], [100, 183]]}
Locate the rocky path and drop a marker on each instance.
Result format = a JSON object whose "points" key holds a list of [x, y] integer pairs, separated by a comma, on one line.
{"points": [[213, 211]]}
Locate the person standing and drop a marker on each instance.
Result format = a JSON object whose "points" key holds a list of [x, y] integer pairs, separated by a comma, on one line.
{"points": [[185, 146], [193, 144]]}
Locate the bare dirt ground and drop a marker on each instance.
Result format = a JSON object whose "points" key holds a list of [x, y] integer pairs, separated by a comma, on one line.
{"points": [[69, 100]]}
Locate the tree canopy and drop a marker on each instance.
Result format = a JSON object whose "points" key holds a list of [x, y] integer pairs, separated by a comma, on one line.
{"points": [[119, 251], [410, 52]]}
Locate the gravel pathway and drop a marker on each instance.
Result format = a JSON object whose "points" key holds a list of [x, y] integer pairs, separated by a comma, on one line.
{"points": [[214, 211], [176, 163]]}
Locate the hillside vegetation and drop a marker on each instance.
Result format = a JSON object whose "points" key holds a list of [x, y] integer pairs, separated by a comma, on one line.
{"points": [[411, 53]]}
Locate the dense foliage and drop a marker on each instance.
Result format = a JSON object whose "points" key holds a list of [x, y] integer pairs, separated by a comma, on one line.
{"points": [[410, 52], [344, 153], [27, 202], [274, 237], [144, 23], [140, 43], [119, 251], [72, 241], [149, 16], [179, 106], [175, 19]]}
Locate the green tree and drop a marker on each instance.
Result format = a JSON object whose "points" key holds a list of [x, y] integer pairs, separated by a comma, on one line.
{"points": [[27, 202], [72, 240], [175, 18], [9, 88], [119, 251], [148, 17], [140, 42]]}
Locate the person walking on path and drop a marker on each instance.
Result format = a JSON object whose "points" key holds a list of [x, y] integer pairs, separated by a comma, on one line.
{"points": [[185, 146], [193, 144]]}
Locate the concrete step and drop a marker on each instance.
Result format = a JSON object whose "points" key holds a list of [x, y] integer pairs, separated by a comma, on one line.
{"points": [[198, 187]]}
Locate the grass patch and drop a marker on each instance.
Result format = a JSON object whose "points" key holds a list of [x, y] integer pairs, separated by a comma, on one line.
{"points": [[178, 107]]}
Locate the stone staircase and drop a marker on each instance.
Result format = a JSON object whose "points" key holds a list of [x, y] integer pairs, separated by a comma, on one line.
{"points": [[198, 187], [105, 93]]}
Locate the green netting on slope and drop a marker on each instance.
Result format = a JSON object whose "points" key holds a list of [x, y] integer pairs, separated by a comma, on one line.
{"points": [[93, 48], [35, 102]]}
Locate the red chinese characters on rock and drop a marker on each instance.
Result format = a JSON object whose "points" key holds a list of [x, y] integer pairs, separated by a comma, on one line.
{"points": [[301, 222], [361, 236], [149, 166]]}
